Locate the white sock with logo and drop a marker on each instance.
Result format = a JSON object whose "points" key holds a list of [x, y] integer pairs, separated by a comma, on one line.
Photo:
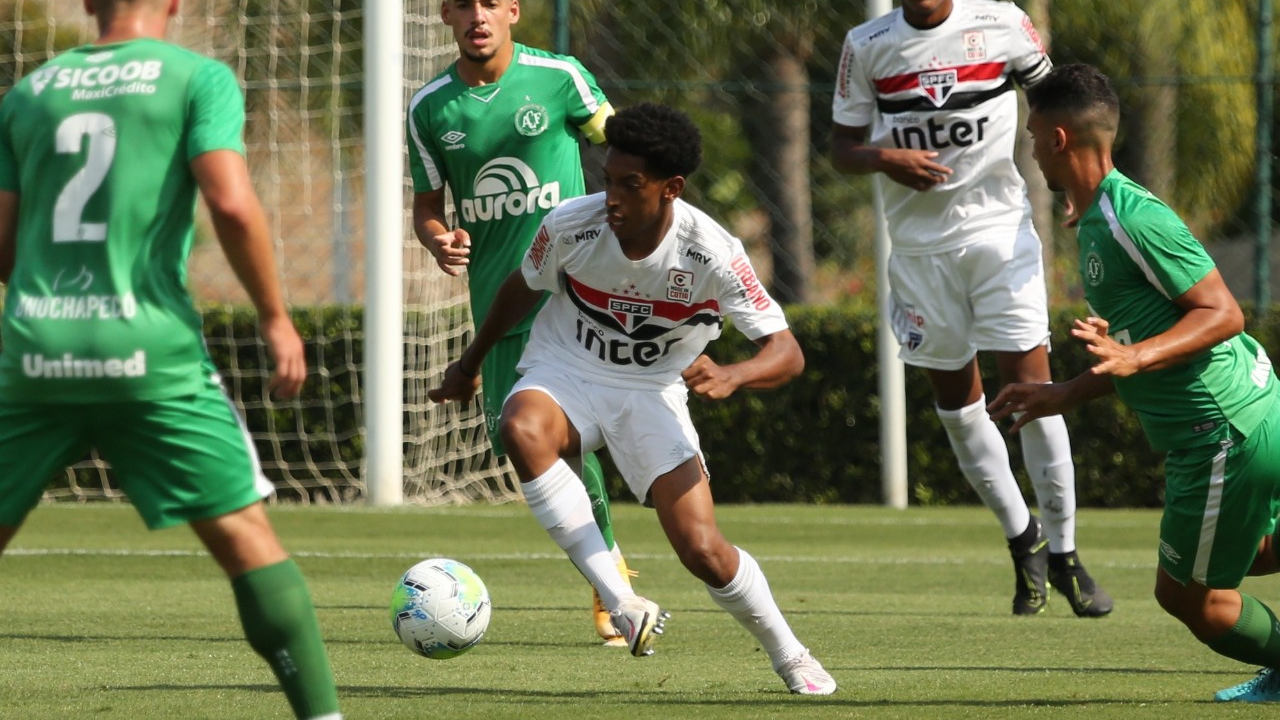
{"points": [[748, 599], [1046, 450], [984, 460], [558, 499]]}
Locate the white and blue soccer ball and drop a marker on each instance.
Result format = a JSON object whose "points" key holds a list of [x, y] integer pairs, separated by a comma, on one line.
{"points": [[440, 608]]}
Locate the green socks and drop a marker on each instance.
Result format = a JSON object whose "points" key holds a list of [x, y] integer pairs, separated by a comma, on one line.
{"points": [[593, 478], [280, 624], [1254, 639]]}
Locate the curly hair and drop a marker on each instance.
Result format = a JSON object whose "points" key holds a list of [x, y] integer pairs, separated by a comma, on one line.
{"points": [[666, 138], [1079, 90]]}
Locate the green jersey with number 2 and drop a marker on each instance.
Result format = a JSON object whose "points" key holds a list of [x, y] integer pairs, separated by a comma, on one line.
{"points": [[1136, 256], [98, 143]]}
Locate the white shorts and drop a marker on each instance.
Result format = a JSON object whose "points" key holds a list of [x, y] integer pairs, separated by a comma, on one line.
{"points": [[648, 432], [985, 296]]}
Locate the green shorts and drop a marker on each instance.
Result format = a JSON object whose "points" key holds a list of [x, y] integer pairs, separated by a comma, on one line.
{"points": [[1220, 501], [497, 376], [179, 459]]}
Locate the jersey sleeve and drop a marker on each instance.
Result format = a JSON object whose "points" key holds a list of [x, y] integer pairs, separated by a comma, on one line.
{"points": [[424, 162], [8, 159], [588, 107], [854, 101], [215, 110], [1029, 63], [541, 264], [745, 301], [1168, 254]]}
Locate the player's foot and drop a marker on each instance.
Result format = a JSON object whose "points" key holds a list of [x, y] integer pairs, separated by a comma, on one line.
{"points": [[1264, 687], [1068, 576], [1030, 553], [804, 675], [640, 621], [604, 624]]}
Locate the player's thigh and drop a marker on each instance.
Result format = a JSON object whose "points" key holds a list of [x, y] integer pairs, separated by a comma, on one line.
{"points": [[1219, 504], [1007, 291], [562, 417], [497, 376], [930, 312], [182, 459], [648, 432], [36, 442]]}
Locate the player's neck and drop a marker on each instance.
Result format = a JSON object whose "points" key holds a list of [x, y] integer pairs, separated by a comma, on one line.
{"points": [[643, 244], [131, 26], [1088, 172], [485, 72]]}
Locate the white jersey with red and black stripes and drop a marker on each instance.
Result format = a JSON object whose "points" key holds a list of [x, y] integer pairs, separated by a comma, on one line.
{"points": [[638, 323], [948, 89]]}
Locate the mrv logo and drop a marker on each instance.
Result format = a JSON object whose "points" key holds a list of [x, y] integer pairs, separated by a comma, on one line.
{"points": [[507, 187]]}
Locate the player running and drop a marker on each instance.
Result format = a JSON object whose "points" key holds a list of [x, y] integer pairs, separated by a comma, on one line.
{"points": [[1169, 339], [102, 151], [925, 98], [500, 128], [640, 282]]}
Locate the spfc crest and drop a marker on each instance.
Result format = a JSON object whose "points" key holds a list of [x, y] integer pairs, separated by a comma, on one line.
{"points": [[630, 314], [938, 84]]}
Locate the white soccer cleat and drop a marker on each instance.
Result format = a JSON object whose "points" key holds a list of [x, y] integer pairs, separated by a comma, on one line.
{"points": [[640, 621], [804, 675]]}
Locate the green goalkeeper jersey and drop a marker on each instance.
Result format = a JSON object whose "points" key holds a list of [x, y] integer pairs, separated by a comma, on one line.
{"points": [[97, 144], [509, 153], [1136, 257]]}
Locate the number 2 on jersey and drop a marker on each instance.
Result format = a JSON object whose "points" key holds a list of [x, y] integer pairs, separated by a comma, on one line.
{"points": [[69, 210]]}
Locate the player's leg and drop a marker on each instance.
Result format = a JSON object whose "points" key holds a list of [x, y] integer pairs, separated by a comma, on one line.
{"points": [[36, 441], [1221, 503], [1046, 454], [538, 434], [498, 376], [190, 460]]}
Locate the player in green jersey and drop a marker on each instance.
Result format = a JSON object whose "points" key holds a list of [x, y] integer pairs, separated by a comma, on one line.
{"points": [[102, 151], [1169, 339], [500, 128]]}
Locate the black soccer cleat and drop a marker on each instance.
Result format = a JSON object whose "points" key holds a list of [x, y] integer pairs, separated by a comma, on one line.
{"points": [[1068, 576], [1030, 554]]}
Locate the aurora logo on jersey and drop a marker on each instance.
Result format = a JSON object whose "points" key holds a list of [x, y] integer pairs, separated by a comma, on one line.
{"points": [[70, 366], [507, 187]]}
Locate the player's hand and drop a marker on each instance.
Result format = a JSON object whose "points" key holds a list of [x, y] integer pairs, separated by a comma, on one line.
{"points": [[915, 169], [451, 250], [1033, 400], [1113, 358], [708, 380], [285, 347], [456, 385]]}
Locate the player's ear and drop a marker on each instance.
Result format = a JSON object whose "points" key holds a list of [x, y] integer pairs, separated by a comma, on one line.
{"points": [[1059, 139], [672, 189], [515, 11]]}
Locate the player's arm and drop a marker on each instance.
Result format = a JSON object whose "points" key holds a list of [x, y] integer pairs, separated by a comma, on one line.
{"points": [[8, 233], [241, 227], [916, 169], [1031, 401], [512, 303], [1210, 315], [450, 248], [778, 360]]}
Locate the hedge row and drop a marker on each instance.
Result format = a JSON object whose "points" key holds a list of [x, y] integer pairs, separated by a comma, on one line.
{"points": [[813, 440]]}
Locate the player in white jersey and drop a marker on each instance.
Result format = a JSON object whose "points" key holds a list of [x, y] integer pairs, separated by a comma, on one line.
{"points": [[640, 282], [925, 97]]}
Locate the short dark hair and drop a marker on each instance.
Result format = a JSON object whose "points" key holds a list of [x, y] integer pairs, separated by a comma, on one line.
{"points": [[1076, 90], [666, 138]]}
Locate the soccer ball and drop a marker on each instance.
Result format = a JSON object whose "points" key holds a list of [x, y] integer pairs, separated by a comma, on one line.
{"points": [[440, 608]]}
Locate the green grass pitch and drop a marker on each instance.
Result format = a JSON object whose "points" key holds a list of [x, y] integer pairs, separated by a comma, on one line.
{"points": [[908, 610]]}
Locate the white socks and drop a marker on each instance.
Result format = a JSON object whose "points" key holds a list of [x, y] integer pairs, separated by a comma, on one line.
{"points": [[748, 599], [559, 501], [1046, 452], [984, 460]]}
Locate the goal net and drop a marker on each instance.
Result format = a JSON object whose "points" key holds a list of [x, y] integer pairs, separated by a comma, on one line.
{"points": [[301, 64]]}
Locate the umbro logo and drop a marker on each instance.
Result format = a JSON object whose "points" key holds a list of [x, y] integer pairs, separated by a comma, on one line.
{"points": [[453, 138]]}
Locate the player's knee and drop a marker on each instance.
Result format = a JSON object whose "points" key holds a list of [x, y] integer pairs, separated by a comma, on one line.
{"points": [[706, 554], [521, 432]]}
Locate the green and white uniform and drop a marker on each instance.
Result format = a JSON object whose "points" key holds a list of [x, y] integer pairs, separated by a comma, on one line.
{"points": [[1212, 414], [97, 143], [509, 153]]}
